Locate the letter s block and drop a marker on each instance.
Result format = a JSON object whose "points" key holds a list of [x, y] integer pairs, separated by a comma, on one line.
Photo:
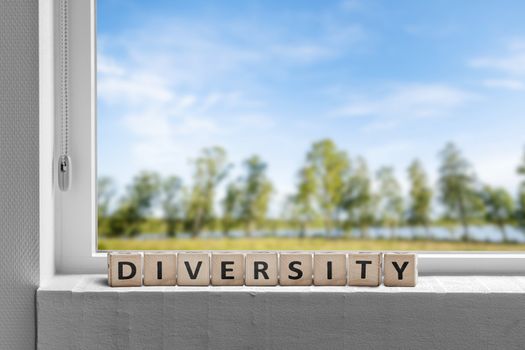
{"points": [[400, 269], [124, 269], [296, 269]]}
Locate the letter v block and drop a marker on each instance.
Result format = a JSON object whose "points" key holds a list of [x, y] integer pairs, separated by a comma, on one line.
{"points": [[364, 269], [400, 270], [261, 269], [295, 269], [329, 269], [193, 269], [227, 269], [160, 269], [124, 269]]}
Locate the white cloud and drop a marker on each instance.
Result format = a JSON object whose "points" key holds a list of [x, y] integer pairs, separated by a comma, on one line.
{"points": [[508, 84], [405, 102]]}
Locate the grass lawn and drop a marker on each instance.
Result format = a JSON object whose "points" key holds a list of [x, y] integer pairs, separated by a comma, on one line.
{"points": [[301, 244]]}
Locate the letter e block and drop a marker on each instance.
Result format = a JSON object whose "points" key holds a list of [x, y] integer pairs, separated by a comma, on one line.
{"points": [[193, 269], [160, 269], [227, 269], [329, 269], [124, 269], [261, 269], [364, 269], [400, 270], [296, 269]]}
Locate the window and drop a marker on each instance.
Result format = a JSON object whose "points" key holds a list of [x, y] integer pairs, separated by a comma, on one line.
{"points": [[229, 128]]}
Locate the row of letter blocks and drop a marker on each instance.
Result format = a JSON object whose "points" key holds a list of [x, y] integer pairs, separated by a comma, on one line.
{"points": [[261, 269]]}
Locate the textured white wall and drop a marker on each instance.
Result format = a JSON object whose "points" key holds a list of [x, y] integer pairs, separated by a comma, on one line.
{"points": [[19, 195]]}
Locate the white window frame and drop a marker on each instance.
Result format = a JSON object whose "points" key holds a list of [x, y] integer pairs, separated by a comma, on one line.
{"points": [[74, 221]]}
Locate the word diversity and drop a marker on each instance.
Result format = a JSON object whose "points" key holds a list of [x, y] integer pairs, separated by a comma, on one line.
{"points": [[261, 269]]}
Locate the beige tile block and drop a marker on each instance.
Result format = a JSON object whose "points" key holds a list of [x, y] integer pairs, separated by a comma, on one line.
{"points": [[364, 269], [124, 269], [160, 268], [261, 269], [295, 269], [400, 269], [193, 269], [227, 269], [329, 269]]}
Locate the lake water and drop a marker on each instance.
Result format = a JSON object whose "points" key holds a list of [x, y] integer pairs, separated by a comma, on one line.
{"points": [[478, 233]]}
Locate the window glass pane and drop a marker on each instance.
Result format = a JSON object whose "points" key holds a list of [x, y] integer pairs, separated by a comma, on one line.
{"points": [[311, 125]]}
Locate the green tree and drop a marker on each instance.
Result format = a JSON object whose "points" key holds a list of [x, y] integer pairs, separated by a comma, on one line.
{"points": [[231, 207], [105, 194], [520, 211], [210, 169], [136, 205], [457, 186], [330, 167], [420, 196], [172, 203], [390, 199], [256, 191], [302, 202], [499, 208], [358, 200]]}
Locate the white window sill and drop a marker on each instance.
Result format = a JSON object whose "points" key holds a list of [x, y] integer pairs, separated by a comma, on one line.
{"points": [[81, 311]]}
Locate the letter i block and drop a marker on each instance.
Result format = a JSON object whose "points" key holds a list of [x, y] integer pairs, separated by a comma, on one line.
{"points": [[193, 269], [329, 269], [296, 269], [261, 269], [124, 269], [160, 269], [364, 269], [227, 269], [400, 270]]}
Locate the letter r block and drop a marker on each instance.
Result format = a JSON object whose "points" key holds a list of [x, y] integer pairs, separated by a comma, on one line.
{"points": [[193, 269], [160, 268], [364, 269], [261, 269], [124, 269], [400, 269], [227, 269], [295, 269]]}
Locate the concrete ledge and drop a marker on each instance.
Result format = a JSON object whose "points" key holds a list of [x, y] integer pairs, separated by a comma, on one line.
{"points": [[82, 312]]}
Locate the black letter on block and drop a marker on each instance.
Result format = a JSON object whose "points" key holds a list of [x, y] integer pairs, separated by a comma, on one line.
{"points": [[400, 270], [159, 270], [329, 270], [260, 266], [190, 273], [296, 270], [121, 270], [224, 270], [363, 267]]}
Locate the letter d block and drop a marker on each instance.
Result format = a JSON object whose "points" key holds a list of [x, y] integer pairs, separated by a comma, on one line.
{"points": [[364, 269], [227, 269], [124, 269], [261, 269], [400, 270], [295, 269], [329, 269], [193, 269], [160, 269]]}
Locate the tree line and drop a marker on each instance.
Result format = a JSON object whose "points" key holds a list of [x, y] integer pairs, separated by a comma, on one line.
{"points": [[333, 191]]}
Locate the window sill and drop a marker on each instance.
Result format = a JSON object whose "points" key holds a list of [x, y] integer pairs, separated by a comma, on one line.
{"points": [[441, 312]]}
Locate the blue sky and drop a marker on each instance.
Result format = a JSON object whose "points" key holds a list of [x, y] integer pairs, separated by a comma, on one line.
{"points": [[388, 80]]}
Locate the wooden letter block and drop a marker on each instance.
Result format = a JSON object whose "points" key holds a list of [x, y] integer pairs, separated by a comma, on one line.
{"points": [[400, 270], [329, 269], [124, 269], [227, 269], [160, 269], [193, 269], [295, 269], [364, 269], [261, 269]]}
